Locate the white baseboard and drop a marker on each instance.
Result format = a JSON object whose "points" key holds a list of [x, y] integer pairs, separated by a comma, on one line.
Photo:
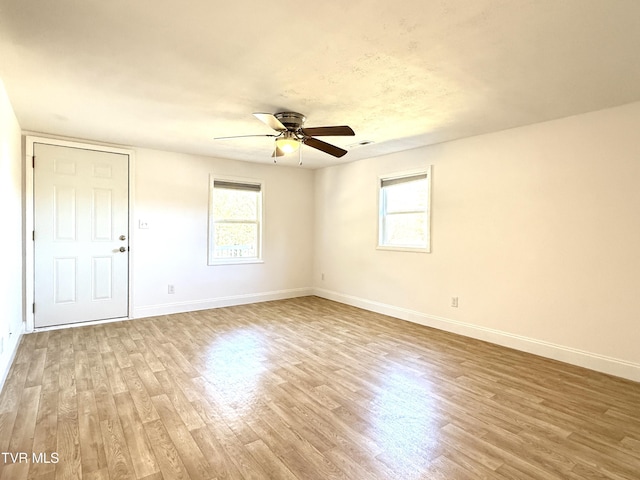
{"points": [[592, 361], [230, 301], [8, 355]]}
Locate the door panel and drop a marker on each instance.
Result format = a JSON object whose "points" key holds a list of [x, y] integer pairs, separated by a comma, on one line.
{"points": [[81, 210], [64, 213], [65, 280], [102, 215], [102, 278]]}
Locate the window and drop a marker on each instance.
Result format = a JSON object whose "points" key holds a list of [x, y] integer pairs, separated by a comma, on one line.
{"points": [[404, 218], [235, 221]]}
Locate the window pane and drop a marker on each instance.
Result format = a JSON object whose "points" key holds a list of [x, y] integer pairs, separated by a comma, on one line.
{"points": [[235, 240], [235, 221], [406, 230], [231, 204], [409, 196]]}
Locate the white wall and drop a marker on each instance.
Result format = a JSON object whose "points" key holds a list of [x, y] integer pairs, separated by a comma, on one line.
{"points": [[11, 319], [535, 229], [171, 195]]}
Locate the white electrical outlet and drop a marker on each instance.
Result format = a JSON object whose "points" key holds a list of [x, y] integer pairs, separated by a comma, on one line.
{"points": [[454, 302], [143, 224], [322, 276], [171, 289]]}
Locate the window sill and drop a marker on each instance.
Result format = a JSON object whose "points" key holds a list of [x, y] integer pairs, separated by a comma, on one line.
{"points": [[393, 248], [235, 261]]}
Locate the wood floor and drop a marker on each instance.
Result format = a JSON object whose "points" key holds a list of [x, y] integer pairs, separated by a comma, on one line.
{"points": [[305, 389]]}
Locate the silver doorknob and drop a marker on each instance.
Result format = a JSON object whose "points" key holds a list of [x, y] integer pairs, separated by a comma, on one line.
{"points": [[123, 237], [123, 249]]}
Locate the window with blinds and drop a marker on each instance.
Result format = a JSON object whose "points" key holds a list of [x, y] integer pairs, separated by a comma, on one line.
{"points": [[404, 212], [235, 221]]}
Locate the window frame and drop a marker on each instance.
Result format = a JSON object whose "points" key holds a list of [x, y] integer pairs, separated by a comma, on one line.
{"points": [[382, 214], [211, 260]]}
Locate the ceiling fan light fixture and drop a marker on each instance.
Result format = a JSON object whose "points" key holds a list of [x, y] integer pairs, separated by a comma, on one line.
{"points": [[288, 143]]}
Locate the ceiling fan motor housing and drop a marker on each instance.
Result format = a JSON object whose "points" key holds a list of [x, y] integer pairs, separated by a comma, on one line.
{"points": [[292, 120]]}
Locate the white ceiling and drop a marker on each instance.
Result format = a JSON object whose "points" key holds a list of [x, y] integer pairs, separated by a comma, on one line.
{"points": [[173, 75]]}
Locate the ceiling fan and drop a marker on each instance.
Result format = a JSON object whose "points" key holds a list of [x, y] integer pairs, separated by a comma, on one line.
{"points": [[292, 134]]}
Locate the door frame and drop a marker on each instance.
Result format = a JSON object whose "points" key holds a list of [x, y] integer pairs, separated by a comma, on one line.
{"points": [[29, 265]]}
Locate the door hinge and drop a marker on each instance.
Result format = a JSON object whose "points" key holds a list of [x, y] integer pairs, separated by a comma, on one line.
{"points": [[33, 235], [33, 307], [33, 162]]}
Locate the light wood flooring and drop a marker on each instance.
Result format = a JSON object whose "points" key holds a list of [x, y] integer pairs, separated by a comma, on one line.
{"points": [[305, 389]]}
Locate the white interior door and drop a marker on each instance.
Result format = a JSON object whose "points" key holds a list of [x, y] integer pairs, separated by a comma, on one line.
{"points": [[81, 224]]}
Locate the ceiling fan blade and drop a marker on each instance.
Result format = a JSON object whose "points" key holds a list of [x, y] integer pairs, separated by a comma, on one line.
{"points": [[324, 146], [271, 121], [244, 136], [342, 130]]}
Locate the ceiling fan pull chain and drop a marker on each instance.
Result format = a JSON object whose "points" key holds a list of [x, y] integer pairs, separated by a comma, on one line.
{"points": [[300, 151]]}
